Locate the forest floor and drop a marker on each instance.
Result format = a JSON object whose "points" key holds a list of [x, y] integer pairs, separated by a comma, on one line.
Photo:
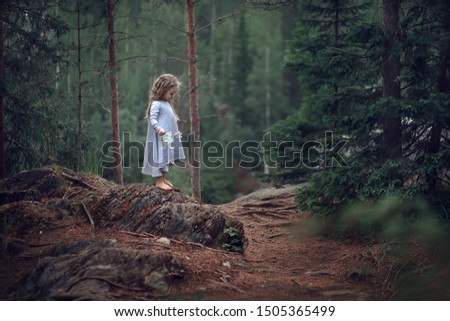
{"points": [[282, 264], [278, 264]]}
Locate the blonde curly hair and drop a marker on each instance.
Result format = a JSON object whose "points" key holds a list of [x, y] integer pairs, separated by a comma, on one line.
{"points": [[161, 85]]}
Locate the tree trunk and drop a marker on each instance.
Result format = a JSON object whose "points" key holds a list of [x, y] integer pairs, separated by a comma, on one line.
{"points": [[391, 85], [336, 45], [2, 116], [193, 102], [80, 104], [114, 94], [443, 86], [212, 46], [268, 101]]}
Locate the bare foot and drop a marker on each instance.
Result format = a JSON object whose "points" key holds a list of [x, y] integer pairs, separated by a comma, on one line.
{"points": [[163, 186], [168, 183]]}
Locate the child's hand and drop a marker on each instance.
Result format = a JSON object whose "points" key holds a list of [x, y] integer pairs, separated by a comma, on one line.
{"points": [[161, 132]]}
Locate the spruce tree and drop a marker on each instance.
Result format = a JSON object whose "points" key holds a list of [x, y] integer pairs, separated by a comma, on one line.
{"points": [[351, 90], [334, 80], [36, 130]]}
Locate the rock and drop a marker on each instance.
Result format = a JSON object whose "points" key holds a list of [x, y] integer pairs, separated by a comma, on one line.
{"points": [[163, 240], [145, 208], [59, 193], [91, 270], [48, 181]]}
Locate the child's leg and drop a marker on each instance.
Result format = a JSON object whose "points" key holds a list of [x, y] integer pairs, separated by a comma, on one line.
{"points": [[164, 176], [160, 182]]}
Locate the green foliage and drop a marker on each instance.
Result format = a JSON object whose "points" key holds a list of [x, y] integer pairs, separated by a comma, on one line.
{"points": [[396, 218], [232, 88], [322, 196], [242, 60], [339, 68], [231, 239], [411, 230], [368, 180], [219, 185], [38, 131], [292, 137], [416, 283]]}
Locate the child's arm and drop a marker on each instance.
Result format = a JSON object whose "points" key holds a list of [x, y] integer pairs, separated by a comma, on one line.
{"points": [[154, 113]]}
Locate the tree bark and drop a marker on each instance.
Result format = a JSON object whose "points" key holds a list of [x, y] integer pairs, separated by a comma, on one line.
{"points": [[443, 86], [391, 72], [193, 101], [268, 101], [114, 94], [336, 44], [2, 117], [212, 46], [80, 103]]}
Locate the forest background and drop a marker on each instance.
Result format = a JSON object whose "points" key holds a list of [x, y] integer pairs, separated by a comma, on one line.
{"points": [[240, 70], [374, 73]]}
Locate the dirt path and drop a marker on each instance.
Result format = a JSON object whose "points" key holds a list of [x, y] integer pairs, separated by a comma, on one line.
{"points": [[277, 264]]}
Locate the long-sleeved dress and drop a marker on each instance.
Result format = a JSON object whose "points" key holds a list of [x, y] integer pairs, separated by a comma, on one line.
{"points": [[161, 151]]}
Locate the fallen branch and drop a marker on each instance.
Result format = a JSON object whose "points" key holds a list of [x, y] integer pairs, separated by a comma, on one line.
{"points": [[147, 235], [65, 194], [71, 193], [89, 216], [386, 280], [377, 262], [296, 282], [133, 234], [389, 273], [344, 257], [195, 244]]}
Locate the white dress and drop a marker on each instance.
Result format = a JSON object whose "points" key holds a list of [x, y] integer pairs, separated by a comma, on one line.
{"points": [[160, 151]]}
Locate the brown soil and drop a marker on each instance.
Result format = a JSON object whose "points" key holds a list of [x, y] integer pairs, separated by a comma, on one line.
{"points": [[278, 264]]}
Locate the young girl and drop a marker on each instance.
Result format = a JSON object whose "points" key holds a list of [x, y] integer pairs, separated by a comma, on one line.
{"points": [[163, 146]]}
